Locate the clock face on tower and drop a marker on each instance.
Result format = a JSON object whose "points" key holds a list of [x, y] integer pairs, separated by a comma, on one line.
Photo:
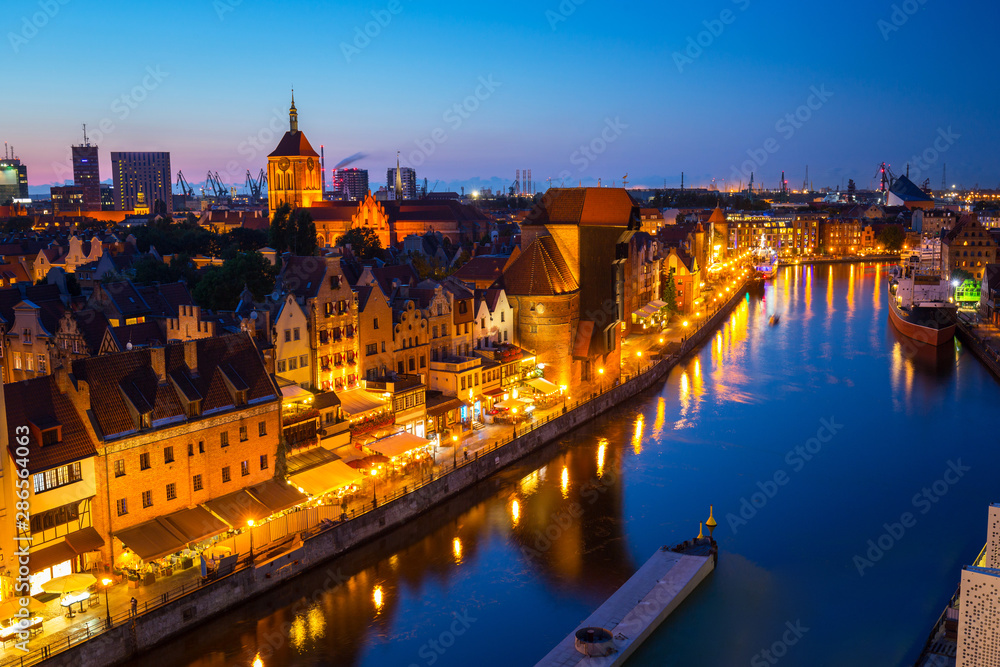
{"points": [[283, 164], [310, 164]]}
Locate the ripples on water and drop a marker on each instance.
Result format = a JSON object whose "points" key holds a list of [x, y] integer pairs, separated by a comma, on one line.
{"points": [[498, 576]]}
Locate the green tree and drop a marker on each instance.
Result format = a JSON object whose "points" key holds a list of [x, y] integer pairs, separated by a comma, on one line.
{"points": [[670, 292], [891, 237], [961, 276], [364, 242], [220, 287], [151, 270], [292, 231]]}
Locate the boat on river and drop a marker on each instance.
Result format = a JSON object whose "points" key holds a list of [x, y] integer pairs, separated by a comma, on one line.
{"points": [[920, 307]]}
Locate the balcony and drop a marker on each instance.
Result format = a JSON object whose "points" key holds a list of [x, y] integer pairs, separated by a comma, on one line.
{"points": [[393, 385]]}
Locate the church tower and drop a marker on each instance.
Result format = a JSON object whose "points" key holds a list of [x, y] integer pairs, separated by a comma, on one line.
{"points": [[293, 170]]}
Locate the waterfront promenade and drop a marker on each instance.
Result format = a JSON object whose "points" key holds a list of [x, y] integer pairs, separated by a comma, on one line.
{"points": [[401, 499]]}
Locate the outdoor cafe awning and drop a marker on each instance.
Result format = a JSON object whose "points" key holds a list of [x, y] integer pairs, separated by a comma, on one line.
{"points": [[294, 392], [542, 386], [49, 556], [195, 524], [397, 445], [277, 496], [237, 508], [151, 540], [324, 478], [358, 401]]}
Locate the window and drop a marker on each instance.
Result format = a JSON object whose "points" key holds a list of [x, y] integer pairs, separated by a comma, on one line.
{"points": [[224, 438], [122, 506], [375, 323], [42, 364], [225, 475], [26, 335], [293, 363], [288, 335], [262, 429], [263, 459], [17, 360], [303, 361], [29, 361], [423, 361], [383, 346], [434, 331], [245, 468], [412, 364], [295, 333], [281, 366], [371, 348], [190, 449], [243, 434], [501, 315], [533, 328], [196, 482], [463, 383], [444, 329], [201, 446], [168, 454], [147, 499], [144, 461], [171, 491], [482, 322]]}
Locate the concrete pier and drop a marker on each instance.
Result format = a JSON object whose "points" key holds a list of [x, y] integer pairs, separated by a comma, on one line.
{"points": [[636, 609]]}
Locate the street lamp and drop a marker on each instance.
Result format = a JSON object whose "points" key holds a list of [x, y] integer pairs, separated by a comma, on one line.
{"points": [[600, 371], [250, 523], [454, 451], [107, 605], [638, 360], [374, 496]]}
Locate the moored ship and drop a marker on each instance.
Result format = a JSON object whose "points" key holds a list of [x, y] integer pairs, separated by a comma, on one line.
{"points": [[920, 307]]}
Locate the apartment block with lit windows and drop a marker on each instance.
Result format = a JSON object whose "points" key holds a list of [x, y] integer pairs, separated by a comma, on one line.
{"points": [[840, 237], [969, 247]]}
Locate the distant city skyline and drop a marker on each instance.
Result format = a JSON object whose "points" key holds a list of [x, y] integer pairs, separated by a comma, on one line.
{"points": [[712, 90]]}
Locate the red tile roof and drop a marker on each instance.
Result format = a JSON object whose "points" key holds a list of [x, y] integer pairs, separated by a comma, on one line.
{"points": [[605, 207], [482, 268], [294, 144], [115, 380], [39, 401], [541, 270]]}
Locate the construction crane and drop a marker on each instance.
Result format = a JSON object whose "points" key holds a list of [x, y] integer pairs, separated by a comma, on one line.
{"points": [[186, 188], [886, 179], [214, 182], [256, 186]]}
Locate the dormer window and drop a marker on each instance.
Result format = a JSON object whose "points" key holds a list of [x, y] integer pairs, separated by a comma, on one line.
{"points": [[26, 336], [51, 436]]}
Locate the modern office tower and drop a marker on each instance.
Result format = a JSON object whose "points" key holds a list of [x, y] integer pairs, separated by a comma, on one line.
{"points": [[351, 183], [87, 174], [13, 178], [408, 181], [979, 611], [149, 172]]}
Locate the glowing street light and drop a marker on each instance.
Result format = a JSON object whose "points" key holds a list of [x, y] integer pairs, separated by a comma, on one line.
{"points": [[250, 524], [107, 605]]}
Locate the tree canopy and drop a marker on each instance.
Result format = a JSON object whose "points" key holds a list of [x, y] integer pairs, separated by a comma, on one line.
{"points": [[292, 231], [892, 237], [364, 242], [220, 286]]}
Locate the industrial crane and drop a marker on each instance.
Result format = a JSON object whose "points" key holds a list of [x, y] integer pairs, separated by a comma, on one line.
{"points": [[186, 188], [214, 182], [256, 186]]}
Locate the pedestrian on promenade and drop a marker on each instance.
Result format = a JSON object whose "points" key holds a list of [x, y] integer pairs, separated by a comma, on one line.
{"points": [[133, 607]]}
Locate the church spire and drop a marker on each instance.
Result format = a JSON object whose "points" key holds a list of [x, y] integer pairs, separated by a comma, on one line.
{"points": [[293, 115]]}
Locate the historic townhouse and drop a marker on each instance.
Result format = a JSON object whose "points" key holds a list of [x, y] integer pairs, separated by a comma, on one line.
{"points": [[178, 430]]}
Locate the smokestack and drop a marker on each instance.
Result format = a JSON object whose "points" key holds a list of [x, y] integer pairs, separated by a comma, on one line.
{"points": [[322, 171]]}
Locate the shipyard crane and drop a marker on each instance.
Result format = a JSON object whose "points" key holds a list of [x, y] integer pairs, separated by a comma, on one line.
{"points": [[214, 182], [256, 186], [886, 179], [186, 188]]}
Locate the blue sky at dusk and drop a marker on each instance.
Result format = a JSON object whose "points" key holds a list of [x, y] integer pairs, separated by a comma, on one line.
{"points": [[559, 80]]}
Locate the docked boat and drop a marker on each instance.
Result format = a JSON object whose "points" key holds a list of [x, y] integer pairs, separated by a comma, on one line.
{"points": [[765, 261], [920, 308]]}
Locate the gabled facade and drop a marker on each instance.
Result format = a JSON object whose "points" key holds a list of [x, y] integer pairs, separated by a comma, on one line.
{"points": [[375, 332], [292, 351], [494, 323]]}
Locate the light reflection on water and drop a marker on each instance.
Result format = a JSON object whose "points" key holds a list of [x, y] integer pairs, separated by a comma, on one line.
{"points": [[532, 556]]}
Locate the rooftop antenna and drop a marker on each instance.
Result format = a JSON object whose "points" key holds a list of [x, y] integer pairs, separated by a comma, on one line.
{"points": [[86, 141], [625, 180], [944, 176], [682, 181]]}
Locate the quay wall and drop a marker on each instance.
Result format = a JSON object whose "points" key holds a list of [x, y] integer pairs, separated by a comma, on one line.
{"points": [[131, 637]]}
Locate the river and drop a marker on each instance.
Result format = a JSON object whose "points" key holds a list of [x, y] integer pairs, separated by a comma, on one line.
{"points": [[810, 438]]}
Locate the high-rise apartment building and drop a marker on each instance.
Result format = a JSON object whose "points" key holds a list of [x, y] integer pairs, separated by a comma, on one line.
{"points": [[87, 175], [979, 611], [408, 182], [149, 172], [350, 183]]}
